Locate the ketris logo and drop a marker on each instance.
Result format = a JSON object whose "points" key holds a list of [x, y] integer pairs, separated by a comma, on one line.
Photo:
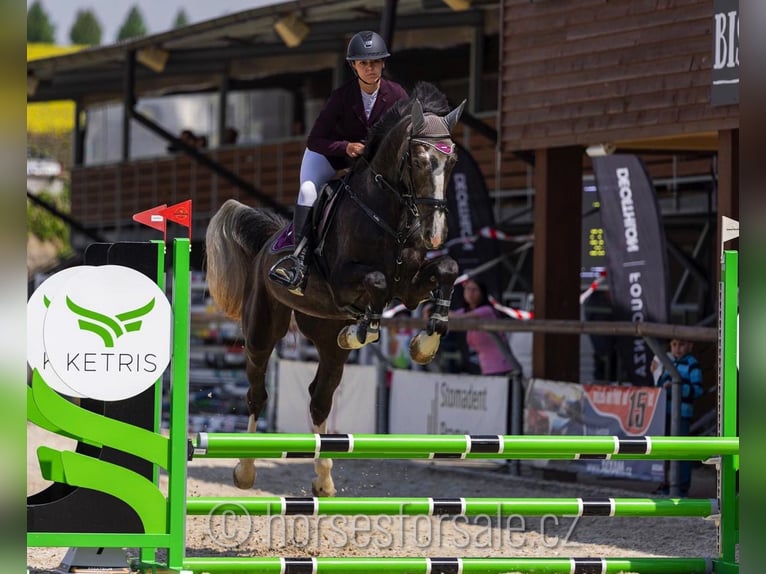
{"points": [[107, 332], [101, 324]]}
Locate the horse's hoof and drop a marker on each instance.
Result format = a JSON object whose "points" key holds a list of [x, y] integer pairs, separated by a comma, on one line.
{"points": [[423, 347], [244, 476], [347, 339], [325, 491]]}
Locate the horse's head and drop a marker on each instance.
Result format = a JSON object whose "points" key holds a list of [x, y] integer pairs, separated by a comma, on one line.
{"points": [[431, 159]]}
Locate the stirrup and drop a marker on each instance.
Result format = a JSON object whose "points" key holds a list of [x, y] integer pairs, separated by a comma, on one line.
{"points": [[290, 276]]}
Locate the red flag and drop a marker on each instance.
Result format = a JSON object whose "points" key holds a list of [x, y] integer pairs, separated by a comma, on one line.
{"points": [[180, 213], [153, 217]]}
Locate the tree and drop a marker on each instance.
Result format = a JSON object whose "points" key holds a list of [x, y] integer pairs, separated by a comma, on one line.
{"points": [[133, 26], [181, 19], [86, 29], [39, 26]]}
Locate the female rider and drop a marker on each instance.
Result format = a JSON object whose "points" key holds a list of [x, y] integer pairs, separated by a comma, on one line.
{"points": [[335, 139]]}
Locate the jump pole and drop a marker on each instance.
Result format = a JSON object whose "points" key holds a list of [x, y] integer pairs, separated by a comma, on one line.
{"points": [[355, 565], [495, 507], [241, 445]]}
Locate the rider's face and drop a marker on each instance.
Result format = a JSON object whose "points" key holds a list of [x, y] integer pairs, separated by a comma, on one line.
{"points": [[368, 70]]}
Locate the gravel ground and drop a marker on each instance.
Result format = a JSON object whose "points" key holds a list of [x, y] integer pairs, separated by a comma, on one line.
{"points": [[413, 536]]}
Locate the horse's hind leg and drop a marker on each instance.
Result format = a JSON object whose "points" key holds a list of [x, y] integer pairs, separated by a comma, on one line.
{"points": [[332, 359], [264, 325], [323, 484]]}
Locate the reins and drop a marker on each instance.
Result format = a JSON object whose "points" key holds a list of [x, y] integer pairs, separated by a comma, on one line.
{"points": [[410, 222]]}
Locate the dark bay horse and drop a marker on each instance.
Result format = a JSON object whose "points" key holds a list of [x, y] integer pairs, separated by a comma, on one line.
{"points": [[388, 214]]}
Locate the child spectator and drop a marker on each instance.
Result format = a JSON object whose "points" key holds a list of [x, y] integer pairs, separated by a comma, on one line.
{"points": [[691, 388]]}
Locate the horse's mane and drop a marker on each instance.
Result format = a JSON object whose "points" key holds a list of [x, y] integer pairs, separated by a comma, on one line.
{"points": [[431, 99]]}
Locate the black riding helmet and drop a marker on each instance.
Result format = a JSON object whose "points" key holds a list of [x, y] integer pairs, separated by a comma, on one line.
{"points": [[366, 45]]}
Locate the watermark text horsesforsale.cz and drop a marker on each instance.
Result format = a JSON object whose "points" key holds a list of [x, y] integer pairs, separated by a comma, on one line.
{"points": [[235, 527]]}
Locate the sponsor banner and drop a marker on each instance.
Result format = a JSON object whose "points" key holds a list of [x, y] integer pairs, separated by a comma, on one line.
{"points": [[353, 408], [432, 403], [637, 268], [557, 408], [470, 209], [725, 72]]}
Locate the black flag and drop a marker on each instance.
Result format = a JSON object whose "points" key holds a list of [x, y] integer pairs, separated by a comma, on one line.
{"points": [[637, 268], [470, 209]]}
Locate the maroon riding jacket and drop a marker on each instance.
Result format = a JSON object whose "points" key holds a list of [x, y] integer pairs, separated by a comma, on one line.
{"points": [[342, 119]]}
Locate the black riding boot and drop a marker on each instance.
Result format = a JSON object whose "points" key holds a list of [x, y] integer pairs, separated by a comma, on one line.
{"points": [[291, 271]]}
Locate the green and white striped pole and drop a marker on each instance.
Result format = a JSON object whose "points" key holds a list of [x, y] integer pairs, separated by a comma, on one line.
{"points": [[358, 565]]}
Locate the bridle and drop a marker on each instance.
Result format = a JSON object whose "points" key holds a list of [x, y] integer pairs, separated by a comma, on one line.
{"points": [[435, 136]]}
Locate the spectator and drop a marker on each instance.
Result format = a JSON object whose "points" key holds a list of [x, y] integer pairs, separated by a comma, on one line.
{"points": [[492, 347], [187, 137], [691, 388]]}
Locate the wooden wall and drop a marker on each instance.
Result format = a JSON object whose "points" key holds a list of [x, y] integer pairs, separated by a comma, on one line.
{"points": [[591, 71], [106, 197]]}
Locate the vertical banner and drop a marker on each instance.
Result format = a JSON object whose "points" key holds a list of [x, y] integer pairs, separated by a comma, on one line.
{"points": [[637, 267], [470, 209]]}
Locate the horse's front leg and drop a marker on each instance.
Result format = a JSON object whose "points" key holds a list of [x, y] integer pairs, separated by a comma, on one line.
{"points": [[367, 329], [437, 278]]}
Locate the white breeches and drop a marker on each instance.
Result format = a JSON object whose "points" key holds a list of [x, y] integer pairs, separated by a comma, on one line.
{"points": [[315, 172]]}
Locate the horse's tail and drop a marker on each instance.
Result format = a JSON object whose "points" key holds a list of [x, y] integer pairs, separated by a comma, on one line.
{"points": [[234, 237]]}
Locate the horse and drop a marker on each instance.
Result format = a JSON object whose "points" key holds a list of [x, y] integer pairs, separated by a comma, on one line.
{"points": [[387, 213]]}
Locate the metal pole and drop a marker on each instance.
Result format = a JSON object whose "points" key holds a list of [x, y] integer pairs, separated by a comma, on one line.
{"points": [[675, 409], [128, 101], [388, 23], [223, 97], [517, 416]]}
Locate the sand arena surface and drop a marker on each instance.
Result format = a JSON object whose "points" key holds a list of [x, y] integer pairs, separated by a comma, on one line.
{"points": [[410, 536]]}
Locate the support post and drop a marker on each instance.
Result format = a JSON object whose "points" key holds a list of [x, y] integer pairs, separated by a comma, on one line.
{"points": [[128, 101], [179, 410], [728, 528]]}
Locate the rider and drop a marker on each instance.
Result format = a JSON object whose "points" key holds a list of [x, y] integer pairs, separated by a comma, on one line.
{"points": [[335, 139]]}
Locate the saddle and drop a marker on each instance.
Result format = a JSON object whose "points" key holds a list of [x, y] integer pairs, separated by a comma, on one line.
{"points": [[322, 215]]}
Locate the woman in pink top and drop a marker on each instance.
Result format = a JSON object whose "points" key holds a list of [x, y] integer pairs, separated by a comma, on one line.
{"points": [[492, 348]]}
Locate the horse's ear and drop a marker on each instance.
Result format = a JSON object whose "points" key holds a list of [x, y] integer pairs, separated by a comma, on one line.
{"points": [[418, 121], [452, 117]]}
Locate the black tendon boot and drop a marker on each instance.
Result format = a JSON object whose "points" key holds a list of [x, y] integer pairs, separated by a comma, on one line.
{"points": [[290, 271]]}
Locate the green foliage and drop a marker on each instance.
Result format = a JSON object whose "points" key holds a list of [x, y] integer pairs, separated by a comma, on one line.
{"points": [[133, 26], [39, 26], [46, 226], [86, 29], [181, 19]]}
